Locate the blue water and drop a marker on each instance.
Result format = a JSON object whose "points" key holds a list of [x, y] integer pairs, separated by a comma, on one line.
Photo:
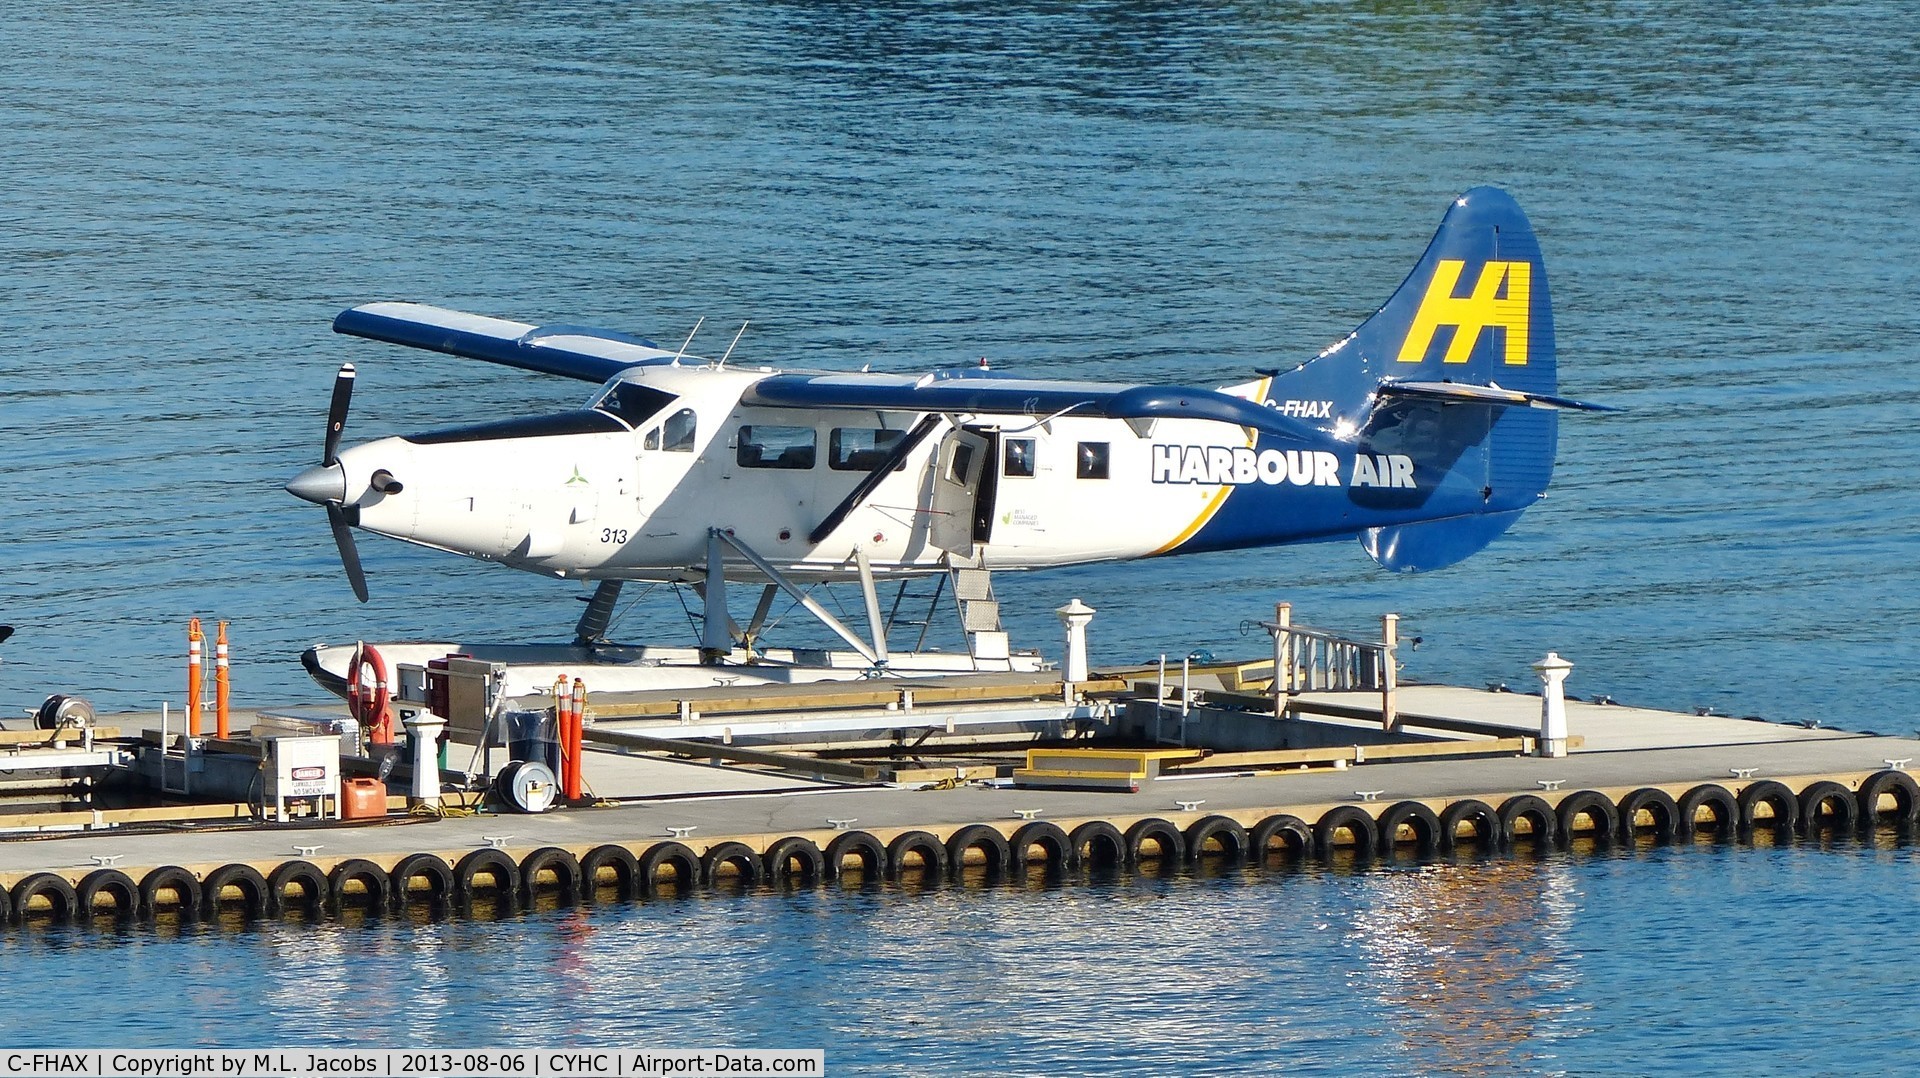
{"points": [[1727, 201]]}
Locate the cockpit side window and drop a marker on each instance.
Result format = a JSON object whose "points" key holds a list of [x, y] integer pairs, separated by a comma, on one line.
{"points": [[633, 402], [679, 431]]}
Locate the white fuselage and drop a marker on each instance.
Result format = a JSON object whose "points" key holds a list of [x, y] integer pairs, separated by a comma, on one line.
{"points": [[619, 503]]}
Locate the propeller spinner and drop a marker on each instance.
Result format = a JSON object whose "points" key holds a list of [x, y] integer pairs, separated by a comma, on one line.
{"points": [[326, 484]]}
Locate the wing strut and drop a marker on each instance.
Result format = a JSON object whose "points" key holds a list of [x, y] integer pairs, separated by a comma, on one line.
{"points": [[716, 537]]}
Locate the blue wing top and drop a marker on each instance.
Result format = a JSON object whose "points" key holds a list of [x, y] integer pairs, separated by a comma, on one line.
{"points": [[972, 393], [591, 355]]}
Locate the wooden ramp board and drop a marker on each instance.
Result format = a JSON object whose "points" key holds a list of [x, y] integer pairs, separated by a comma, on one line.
{"points": [[837, 695], [1097, 768], [713, 750]]}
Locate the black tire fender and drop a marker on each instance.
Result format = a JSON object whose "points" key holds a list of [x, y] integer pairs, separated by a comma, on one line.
{"points": [[1099, 843], [257, 898], [747, 867], [1776, 796], [1714, 797], [106, 881], [307, 876], [428, 866], [372, 878], [1490, 834], [1049, 837], [1352, 819], [610, 859], [54, 889], [1656, 803], [561, 864], [930, 850], [993, 847], [795, 859], [1538, 814], [1827, 794], [1599, 810], [1222, 830], [495, 865], [1172, 844], [685, 863], [1424, 822], [1293, 831], [183, 885], [1905, 793], [871, 852]]}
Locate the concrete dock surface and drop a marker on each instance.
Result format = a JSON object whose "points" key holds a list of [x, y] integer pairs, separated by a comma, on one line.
{"points": [[648, 800]]}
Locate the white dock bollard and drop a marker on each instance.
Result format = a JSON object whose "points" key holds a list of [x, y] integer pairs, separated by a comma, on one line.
{"points": [[1553, 672], [425, 727], [1075, 616]]}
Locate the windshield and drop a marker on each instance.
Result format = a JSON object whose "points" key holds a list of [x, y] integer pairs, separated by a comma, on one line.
{"points": [[632, 401]]}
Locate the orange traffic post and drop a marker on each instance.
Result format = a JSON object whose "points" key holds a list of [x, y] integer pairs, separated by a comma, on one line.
{"points": [[220, 685], [195, 638], [562, 705], [576, 786]]}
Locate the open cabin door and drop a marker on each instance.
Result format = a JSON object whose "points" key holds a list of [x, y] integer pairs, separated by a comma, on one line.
{"points": [[959, 466]]}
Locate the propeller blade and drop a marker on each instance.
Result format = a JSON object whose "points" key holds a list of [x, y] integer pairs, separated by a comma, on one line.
{"points": [[337, 412], [349, 553]]}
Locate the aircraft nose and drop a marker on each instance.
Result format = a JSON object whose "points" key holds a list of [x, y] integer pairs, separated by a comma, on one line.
{"points": [[320, 484]]}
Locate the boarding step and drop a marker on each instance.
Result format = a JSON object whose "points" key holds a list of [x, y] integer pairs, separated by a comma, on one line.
{"points": [[973, 585], [980, 615], [979, 611], [1100, 769]]}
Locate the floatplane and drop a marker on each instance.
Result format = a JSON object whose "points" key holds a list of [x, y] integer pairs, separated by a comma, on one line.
{"points": [[1424, 433]]}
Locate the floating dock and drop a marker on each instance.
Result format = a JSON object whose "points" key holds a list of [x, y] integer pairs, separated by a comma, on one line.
{"points": [[967, 778]]}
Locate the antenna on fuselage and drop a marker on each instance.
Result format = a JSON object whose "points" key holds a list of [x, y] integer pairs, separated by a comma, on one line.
{"points": [[736, 340], [689, 340]]}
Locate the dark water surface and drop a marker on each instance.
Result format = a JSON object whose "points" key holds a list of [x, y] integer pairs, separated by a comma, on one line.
{"points": [[1729, 202]]}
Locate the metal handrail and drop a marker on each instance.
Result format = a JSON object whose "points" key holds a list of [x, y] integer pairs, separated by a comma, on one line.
{"points": [[1315, 660]]}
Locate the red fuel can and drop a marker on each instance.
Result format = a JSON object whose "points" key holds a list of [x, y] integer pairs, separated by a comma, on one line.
{"points": [[362, 799]]}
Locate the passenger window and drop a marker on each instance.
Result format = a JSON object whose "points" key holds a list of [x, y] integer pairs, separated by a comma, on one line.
{"points": [[776, 447], [858, 449], [1019, 457], [1091, 461], [652, 440], [679, 431]]}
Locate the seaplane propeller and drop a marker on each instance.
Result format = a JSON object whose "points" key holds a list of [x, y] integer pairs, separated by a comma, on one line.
{"points": [[326, 484]]}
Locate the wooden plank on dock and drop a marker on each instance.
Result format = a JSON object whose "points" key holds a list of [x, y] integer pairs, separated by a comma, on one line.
{"points": [[714, 751], [58, 821], [64, 735], [838, 695]]}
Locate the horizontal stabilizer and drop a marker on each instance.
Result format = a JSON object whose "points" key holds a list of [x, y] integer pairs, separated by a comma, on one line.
{"points": [[1466, 393], [591, 355], [969, 394]]}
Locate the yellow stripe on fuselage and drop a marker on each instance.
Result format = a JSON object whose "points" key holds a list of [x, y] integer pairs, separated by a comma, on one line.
{"points": [[1219, 497], [1213, 506]]}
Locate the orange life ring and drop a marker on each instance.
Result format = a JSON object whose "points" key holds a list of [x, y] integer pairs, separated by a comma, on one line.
{"points": [[370, 707]]}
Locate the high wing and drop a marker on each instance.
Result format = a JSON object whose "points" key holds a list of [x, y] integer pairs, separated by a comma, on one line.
{"points": [[975, 393], [591, 355]]}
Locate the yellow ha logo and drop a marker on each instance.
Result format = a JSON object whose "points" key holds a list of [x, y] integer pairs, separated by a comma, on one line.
{"points": [[1485, 309]]}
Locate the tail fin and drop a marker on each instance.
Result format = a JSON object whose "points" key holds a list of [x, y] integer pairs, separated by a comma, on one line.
{"points": [[1455, 372]]}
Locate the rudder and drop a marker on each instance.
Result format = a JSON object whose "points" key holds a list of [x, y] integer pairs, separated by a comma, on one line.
{"points": [[1469, 334]]}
